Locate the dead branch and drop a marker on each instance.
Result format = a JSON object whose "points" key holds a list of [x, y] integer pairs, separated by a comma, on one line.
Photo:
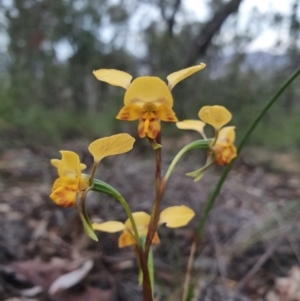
{"points": [[209, 29]]}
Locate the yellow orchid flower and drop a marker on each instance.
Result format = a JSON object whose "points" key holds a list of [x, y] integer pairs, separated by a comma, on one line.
{"points": [[224, 149], [223, 144], [173, 217], [71, 182], [147, 98]]}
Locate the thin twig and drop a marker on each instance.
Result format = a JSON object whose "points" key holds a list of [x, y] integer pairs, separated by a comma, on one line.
{"points": [[189, 270]]}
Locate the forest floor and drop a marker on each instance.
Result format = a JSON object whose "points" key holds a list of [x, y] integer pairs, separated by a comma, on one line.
{"points": [[250, 249]]}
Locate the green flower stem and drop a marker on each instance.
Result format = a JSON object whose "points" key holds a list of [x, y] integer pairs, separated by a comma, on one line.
{"points": [[212, 199], [216, 137], [86, 224], [93, 172], [151, 268], [83, 207], [193, 145], [103, 187]]}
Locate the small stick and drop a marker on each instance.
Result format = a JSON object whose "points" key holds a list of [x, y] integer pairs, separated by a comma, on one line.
{"points": [[189, 270]]}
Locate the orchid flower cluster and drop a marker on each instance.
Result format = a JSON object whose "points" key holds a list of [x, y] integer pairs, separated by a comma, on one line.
{"points": [[149, 101]]}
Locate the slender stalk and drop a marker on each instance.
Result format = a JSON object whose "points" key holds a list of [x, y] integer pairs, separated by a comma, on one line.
{"points": [[215, 137], [193, 145], [211, 201], [156, 206], [189, 270], [147, 290], [151, 268], [83, 201], [93, 172], [144, 275], [160, 185], [153, 221]]}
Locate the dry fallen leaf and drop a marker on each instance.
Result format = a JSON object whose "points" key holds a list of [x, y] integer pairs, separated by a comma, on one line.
{"points": [[70, 279], [37, 273]]}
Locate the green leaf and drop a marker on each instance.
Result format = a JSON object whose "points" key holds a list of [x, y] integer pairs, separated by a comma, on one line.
{"points": [[151, 268], [105, 188], [190, 295]]}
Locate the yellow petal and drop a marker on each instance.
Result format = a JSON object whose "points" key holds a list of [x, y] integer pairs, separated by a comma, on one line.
{"points": [[153, 129], [149, 128], [176, 216], [166, 114], [175, 77], [109, 146], [64, 181], [148, 89], [143, 127], [114, 77], [69, 165], [65, 196], [126, 239], [84, 182], [110, 226], [217, 116], [130, 112], [142, 220], [55, 162], [82, 166], [195, 125], [227, 134], [155, 239], [224, 153]]}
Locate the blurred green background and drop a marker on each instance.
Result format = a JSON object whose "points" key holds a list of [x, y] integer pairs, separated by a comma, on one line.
{"points": [[50, 48]]}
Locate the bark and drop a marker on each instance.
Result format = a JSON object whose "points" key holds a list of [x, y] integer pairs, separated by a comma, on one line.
{"points": [[171, 19], [209, 29]]}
